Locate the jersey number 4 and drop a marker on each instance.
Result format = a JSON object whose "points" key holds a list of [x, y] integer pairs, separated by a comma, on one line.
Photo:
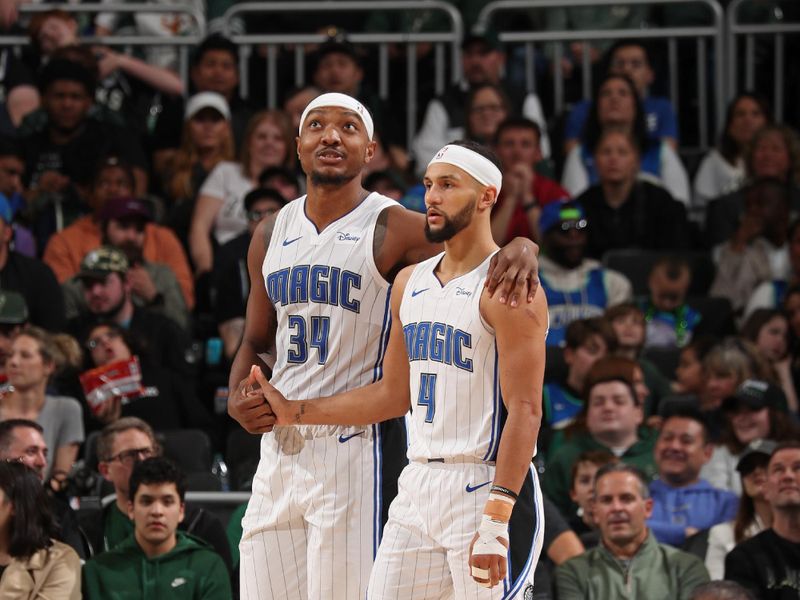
{"points": [[303, 343], [427, 394]]}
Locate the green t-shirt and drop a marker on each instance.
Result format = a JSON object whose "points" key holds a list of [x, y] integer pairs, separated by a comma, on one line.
{"points": [[117, 527]]}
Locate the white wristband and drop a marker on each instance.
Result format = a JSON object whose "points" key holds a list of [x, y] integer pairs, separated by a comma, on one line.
{"points": [[488, 533]]}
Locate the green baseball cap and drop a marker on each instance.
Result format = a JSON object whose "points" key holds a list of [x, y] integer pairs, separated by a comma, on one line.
{"points": [[13, 308]]}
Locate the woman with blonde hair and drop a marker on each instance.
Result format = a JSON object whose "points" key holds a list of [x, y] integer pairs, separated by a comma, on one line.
{"points": [[219, 213], [35, 357]]}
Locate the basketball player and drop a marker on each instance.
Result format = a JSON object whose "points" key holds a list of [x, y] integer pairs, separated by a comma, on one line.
{"points": [[471, 371], [313, 524]]}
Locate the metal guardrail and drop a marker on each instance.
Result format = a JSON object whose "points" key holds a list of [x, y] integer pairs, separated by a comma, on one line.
{"points": [[734, 30], [382, 40], [670, 34], [227, 499]]}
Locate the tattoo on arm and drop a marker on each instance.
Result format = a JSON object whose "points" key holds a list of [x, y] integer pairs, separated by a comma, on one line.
{"points": [[380, 233], [301, 410], [269, 227]]}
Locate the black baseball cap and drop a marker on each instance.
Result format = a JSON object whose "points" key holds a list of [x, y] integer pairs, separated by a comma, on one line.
{"points": [[754, 394], [757, 452]]}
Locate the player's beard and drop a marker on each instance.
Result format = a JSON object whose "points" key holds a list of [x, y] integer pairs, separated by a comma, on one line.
{"points": [[451, 226], [334, 180]]}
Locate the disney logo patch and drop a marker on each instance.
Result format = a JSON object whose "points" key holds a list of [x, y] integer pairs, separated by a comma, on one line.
{"points": [[462, 292], [342, 236]]}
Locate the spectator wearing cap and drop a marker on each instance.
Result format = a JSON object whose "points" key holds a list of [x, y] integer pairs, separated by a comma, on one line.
{"points": [[231, 279], [629, 562], [525, 192], [13, 316], [482, 61], [576, 287], [756, 410], [60, 158], [153, 285], [683, 503], [768, 564], [206, 140], [108, 296], [66, 249], [754, 514], [30, 277], [624, 210], [215, 68]]}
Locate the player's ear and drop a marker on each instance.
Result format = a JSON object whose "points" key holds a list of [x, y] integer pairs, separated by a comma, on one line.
{"points": [[488, 198], [369, 152]]}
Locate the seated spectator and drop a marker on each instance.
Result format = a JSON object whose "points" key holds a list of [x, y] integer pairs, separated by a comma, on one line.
{"points": [[576, 287], [153, 559], [206, 140], [617, 106], [162, 400], [689, 374], [613, 422], [525, 191], [12, 174], [774, 153], [630, 562], [630, 58], [127, 86], [670, 320], [35, 356], [683, 503], [295, 102], [771, 294], [36, 565], [214, 68], [722, 170], [22, 440], [13, 317], [625, 211], [231, 280], [587, 340], [754, 515], [721, 590], [487, 106], [153, 285], [17, 86], [282, 180], [67, 248], [120, 447], [768, 330], [753, 412], [60, 158], [108, 296], [30, 277], [582, 490], [482, 61], [219, 213], [758, 251], [628, 322], [767, 563]]}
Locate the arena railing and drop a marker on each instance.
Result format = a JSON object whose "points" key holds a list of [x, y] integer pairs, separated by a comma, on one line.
{"points": [[703, 35], [183, 43], [440, 41], [752, 34]]}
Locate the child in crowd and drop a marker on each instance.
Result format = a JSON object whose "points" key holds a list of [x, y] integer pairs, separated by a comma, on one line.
{"points": [[582, 491], [670, 321]]}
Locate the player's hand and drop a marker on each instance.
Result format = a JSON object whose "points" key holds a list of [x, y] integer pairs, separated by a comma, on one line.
{"points": [[514, 271], [282, 409], [494, 563], [251, 409]]}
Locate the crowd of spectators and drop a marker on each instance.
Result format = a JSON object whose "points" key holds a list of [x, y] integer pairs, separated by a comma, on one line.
{"points": [[669, 448]]}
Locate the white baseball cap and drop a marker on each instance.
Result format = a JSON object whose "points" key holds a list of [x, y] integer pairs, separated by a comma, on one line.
{"points": [[206, 100]]}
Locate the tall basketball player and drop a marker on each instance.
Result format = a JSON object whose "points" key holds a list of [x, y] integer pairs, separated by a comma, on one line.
{"points": [[471, 371], [313, 524]]}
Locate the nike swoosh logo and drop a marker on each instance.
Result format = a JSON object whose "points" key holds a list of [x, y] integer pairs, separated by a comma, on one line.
{"points": [[344, 438], [417, 292], [287, 242], [470, 488]]}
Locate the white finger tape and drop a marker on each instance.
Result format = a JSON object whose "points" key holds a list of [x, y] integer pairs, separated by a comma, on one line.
{"points": [[479, 573]]}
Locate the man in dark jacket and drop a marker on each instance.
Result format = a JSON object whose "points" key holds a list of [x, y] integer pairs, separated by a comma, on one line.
{"points": [[157, 561]]}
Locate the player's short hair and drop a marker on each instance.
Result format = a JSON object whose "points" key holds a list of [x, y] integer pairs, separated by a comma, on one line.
{"points": [[621, 467], [105, 442], [156, 470], [484, 151], [7, 428], [598, 458], [517, 123], [579, 331]]}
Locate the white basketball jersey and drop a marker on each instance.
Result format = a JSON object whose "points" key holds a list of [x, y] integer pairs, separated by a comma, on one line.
{"points": [[331, 302], [456, 408]]}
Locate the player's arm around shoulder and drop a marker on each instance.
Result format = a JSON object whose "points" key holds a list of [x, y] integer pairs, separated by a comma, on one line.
{"points": [[387, 398], [400, 240]]}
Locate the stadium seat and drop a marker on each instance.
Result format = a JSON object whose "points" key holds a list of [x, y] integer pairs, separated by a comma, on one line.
{"points": [[244, 451], [189, 448]]}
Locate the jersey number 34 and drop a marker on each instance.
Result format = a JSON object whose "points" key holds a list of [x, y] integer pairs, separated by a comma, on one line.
{"points": [[307, 336]]}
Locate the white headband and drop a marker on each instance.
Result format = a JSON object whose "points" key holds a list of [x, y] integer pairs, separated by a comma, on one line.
{"points": [[480, 167], [342, 101]]}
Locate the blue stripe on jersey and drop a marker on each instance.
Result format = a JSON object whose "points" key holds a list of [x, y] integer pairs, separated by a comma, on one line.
{"points": [[529, 563], [496, 400], [377, 456]]}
